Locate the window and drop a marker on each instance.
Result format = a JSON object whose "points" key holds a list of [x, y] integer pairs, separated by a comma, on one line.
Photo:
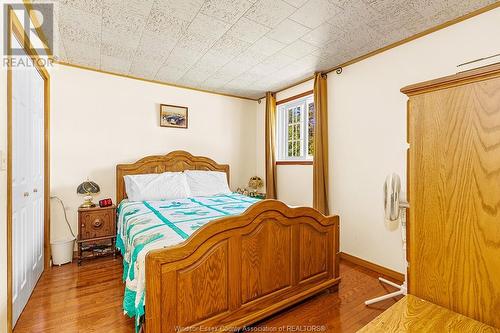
{"points": [[295, 130]]}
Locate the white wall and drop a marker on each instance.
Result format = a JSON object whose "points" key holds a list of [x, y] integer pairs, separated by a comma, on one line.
{"points": [[367, 131], [294, 182], [367, 120], [99, 120]]}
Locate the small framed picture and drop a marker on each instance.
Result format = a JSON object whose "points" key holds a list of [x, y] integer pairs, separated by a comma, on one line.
{"points": [[173, 116]]}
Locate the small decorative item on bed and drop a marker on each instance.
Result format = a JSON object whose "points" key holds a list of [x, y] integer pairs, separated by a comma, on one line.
{"points": [[198, 257], [173, 116]]}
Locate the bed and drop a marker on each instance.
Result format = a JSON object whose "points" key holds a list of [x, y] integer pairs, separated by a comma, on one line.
{"points": [[229, 260]]}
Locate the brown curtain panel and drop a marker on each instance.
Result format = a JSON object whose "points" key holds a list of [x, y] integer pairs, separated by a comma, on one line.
{"points": [[320, 164], [271, 146]]}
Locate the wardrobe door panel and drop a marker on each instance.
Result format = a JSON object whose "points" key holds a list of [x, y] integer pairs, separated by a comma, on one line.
{"points": [[454, 185]]}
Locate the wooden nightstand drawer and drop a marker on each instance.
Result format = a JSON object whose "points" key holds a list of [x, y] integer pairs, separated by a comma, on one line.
{"points": [[94, 224]]}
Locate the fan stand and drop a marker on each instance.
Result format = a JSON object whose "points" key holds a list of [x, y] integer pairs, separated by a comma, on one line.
{"points": [[402, 289]]}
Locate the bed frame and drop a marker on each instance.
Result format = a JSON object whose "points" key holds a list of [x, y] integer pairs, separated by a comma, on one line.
{"points": [[239, 269]]}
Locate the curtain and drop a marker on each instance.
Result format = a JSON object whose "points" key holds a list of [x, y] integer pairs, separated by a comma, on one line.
{"points": [[270, 146], [320, 164]]}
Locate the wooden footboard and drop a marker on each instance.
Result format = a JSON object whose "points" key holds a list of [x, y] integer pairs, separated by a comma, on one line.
{"points": [[240, 269]]}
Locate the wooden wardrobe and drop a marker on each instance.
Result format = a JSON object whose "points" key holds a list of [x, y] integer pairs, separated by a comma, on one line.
{"points": [[454, 192]]}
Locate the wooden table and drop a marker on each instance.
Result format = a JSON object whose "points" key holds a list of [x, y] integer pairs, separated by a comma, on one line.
{"points": [[412, 314]]}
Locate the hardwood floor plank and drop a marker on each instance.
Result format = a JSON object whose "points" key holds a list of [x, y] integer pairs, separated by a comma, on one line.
{"points": [[88, 298]]}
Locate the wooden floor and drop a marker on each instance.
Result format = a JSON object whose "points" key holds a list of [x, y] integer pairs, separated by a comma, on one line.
{"points": [[88, 298]]}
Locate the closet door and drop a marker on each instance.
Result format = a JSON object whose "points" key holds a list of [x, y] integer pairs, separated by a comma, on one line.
{"points": [[37, 175], [27, 184]]}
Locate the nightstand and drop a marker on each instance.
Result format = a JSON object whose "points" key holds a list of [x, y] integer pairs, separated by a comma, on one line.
{"points": [[96, 232]]}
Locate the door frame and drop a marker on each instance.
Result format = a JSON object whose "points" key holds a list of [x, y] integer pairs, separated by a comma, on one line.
{"points": [[16, 29]]}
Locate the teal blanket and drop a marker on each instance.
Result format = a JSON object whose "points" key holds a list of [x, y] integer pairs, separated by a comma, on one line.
{"points": [[148, 225]]}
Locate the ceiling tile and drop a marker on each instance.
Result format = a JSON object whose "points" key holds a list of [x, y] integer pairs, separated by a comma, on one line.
{"points": [[388, 7], [250, 58], [247, 78], [144, 68], [229, 71], [228, 11], [269, 12], [322, 34], [299, 49], [229, 46], [199, 73], [449, 8], [237, 84], [117, 50], [162, 22], [171, 73], [114, 64], [76, 33], [74, 17], [288, 31], [142, 7], [353, 16], [82, 54], [266, 46], [112, 36], [188, 50], [213, 59], [309, 62], [89, 6], [155, 47], [271, 64], [296, 3], [315, 12], [59, 50], [214, 83], [434, 13], [389, 23], [185, 10], [122, 19], [224, 76], [194, 44], [204, 25], [188, 83], [247, 30], [237, 66]]}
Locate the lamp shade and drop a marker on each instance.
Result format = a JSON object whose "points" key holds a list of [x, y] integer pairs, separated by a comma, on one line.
{"points": [[255, 183], [88, 187]]}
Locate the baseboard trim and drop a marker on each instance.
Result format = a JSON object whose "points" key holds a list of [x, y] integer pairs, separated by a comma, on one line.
{"points": [[374, 267]]}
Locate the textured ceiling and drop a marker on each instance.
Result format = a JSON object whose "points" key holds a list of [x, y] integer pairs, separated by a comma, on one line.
{"points": [[238, 47]]}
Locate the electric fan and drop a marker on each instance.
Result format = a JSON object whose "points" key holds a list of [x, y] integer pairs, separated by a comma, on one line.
{"points": [[395, 209]]}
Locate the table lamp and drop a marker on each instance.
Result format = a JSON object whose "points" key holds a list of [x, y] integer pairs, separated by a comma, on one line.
{"points": [[88, 188], [255, 183]]}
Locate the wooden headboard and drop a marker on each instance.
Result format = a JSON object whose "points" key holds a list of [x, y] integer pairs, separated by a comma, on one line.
{"points": [[174, 162]]}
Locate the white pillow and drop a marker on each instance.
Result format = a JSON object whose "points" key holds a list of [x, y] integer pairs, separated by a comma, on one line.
{"points": [[207, 183], [156, 186]]}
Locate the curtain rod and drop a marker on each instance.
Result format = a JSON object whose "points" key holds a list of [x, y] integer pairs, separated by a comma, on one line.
{"points": [[337, 69]]}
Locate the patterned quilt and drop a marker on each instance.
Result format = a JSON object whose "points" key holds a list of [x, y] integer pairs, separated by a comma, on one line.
{"points": [[148, 225]]}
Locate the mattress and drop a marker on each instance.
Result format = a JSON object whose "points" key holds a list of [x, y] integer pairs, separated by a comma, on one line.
{"points": [[147, 225]]}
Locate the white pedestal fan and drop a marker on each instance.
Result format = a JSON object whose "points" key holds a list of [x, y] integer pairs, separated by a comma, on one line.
{"points": [[395, 209]]}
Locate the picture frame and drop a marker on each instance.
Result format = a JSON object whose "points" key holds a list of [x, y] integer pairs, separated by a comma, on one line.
{"points": [[173, 116]]}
